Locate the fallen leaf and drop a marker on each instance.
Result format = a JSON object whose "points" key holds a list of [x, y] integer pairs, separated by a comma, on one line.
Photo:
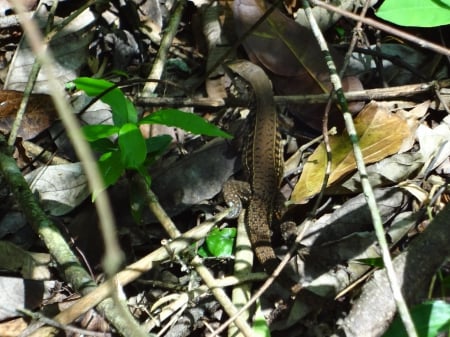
{"points": [[13, 328], [291, 57], [434, 145], [39, 116], [61, 188], [17, 293], [279, 43], [381, 134]]}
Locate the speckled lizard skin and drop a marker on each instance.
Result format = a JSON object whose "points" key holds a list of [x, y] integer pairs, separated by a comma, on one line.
{"points": [[263, 165]]}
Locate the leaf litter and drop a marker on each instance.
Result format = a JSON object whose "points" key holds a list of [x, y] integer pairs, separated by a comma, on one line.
{"points": [[406, 150]]}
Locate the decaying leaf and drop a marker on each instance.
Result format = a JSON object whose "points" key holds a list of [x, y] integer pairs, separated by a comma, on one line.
{"points": [[17, 293], [68, 47], [40, 113], [291, 56], [17, 260], [61, 187], [387, 172], [434, 144], [279, 45], [381, 134]]}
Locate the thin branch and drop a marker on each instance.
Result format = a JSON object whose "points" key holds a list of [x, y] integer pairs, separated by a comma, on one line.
{"points": [[166, 42], [367, 188]]}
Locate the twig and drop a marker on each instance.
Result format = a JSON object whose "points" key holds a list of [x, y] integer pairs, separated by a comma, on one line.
{"points": [[166, 42], [41, 318], [367, 188], [398, 92], [243, 263]]}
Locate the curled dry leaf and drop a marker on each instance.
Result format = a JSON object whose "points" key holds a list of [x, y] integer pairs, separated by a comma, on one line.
{"points": [[40, 113], [381, 134]]}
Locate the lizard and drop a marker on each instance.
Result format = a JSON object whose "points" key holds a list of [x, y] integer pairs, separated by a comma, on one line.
{"points": [[262, 160]]}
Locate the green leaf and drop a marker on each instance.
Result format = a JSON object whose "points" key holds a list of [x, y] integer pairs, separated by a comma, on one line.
{"points": [[92, 86], [220, 242], [132, 146], [122, 109], [143, 171], [184, 120], [158, 144], [416, 13], [103, 145], [373, 262], [429, 319], [99, 131], [111, 167], [260, 326]]}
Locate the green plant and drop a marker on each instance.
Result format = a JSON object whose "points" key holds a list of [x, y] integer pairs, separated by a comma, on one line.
{"points": [[416, 13], [430, 318], [218, 243], [130, 150]]}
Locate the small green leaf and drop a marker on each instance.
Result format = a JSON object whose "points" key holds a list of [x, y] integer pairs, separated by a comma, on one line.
{"points": [[99, 131], [111, 167], [429, 318], [220, 242], [411, 12], [373, 262], [132, 146], [92, 86], [184, 120]]}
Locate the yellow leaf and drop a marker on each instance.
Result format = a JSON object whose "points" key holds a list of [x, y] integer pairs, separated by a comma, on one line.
{"points": [[381, 134]]}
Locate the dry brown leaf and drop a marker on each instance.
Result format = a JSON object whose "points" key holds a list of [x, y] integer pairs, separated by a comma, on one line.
{"points": [[279, 43], [39, 116], [291, 56], [381, 134], [13, 328]]}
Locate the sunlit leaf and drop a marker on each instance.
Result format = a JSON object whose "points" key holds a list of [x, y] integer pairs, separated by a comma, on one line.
{"points": [[187, 121], [411, 12], [99, 131], [381, 134], [122, 109], [220, 242]]}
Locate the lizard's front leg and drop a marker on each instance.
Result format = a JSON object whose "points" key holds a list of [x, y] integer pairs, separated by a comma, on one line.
{"points": [[236, 194]]}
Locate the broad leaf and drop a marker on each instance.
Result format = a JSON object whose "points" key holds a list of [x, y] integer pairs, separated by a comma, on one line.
{"points": [[184, 120], [111, 168], [99, 131], [430, 318], [411, 12], [381, 134], [132, 146], [158, 144], [122, 109], [282, 46]]}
